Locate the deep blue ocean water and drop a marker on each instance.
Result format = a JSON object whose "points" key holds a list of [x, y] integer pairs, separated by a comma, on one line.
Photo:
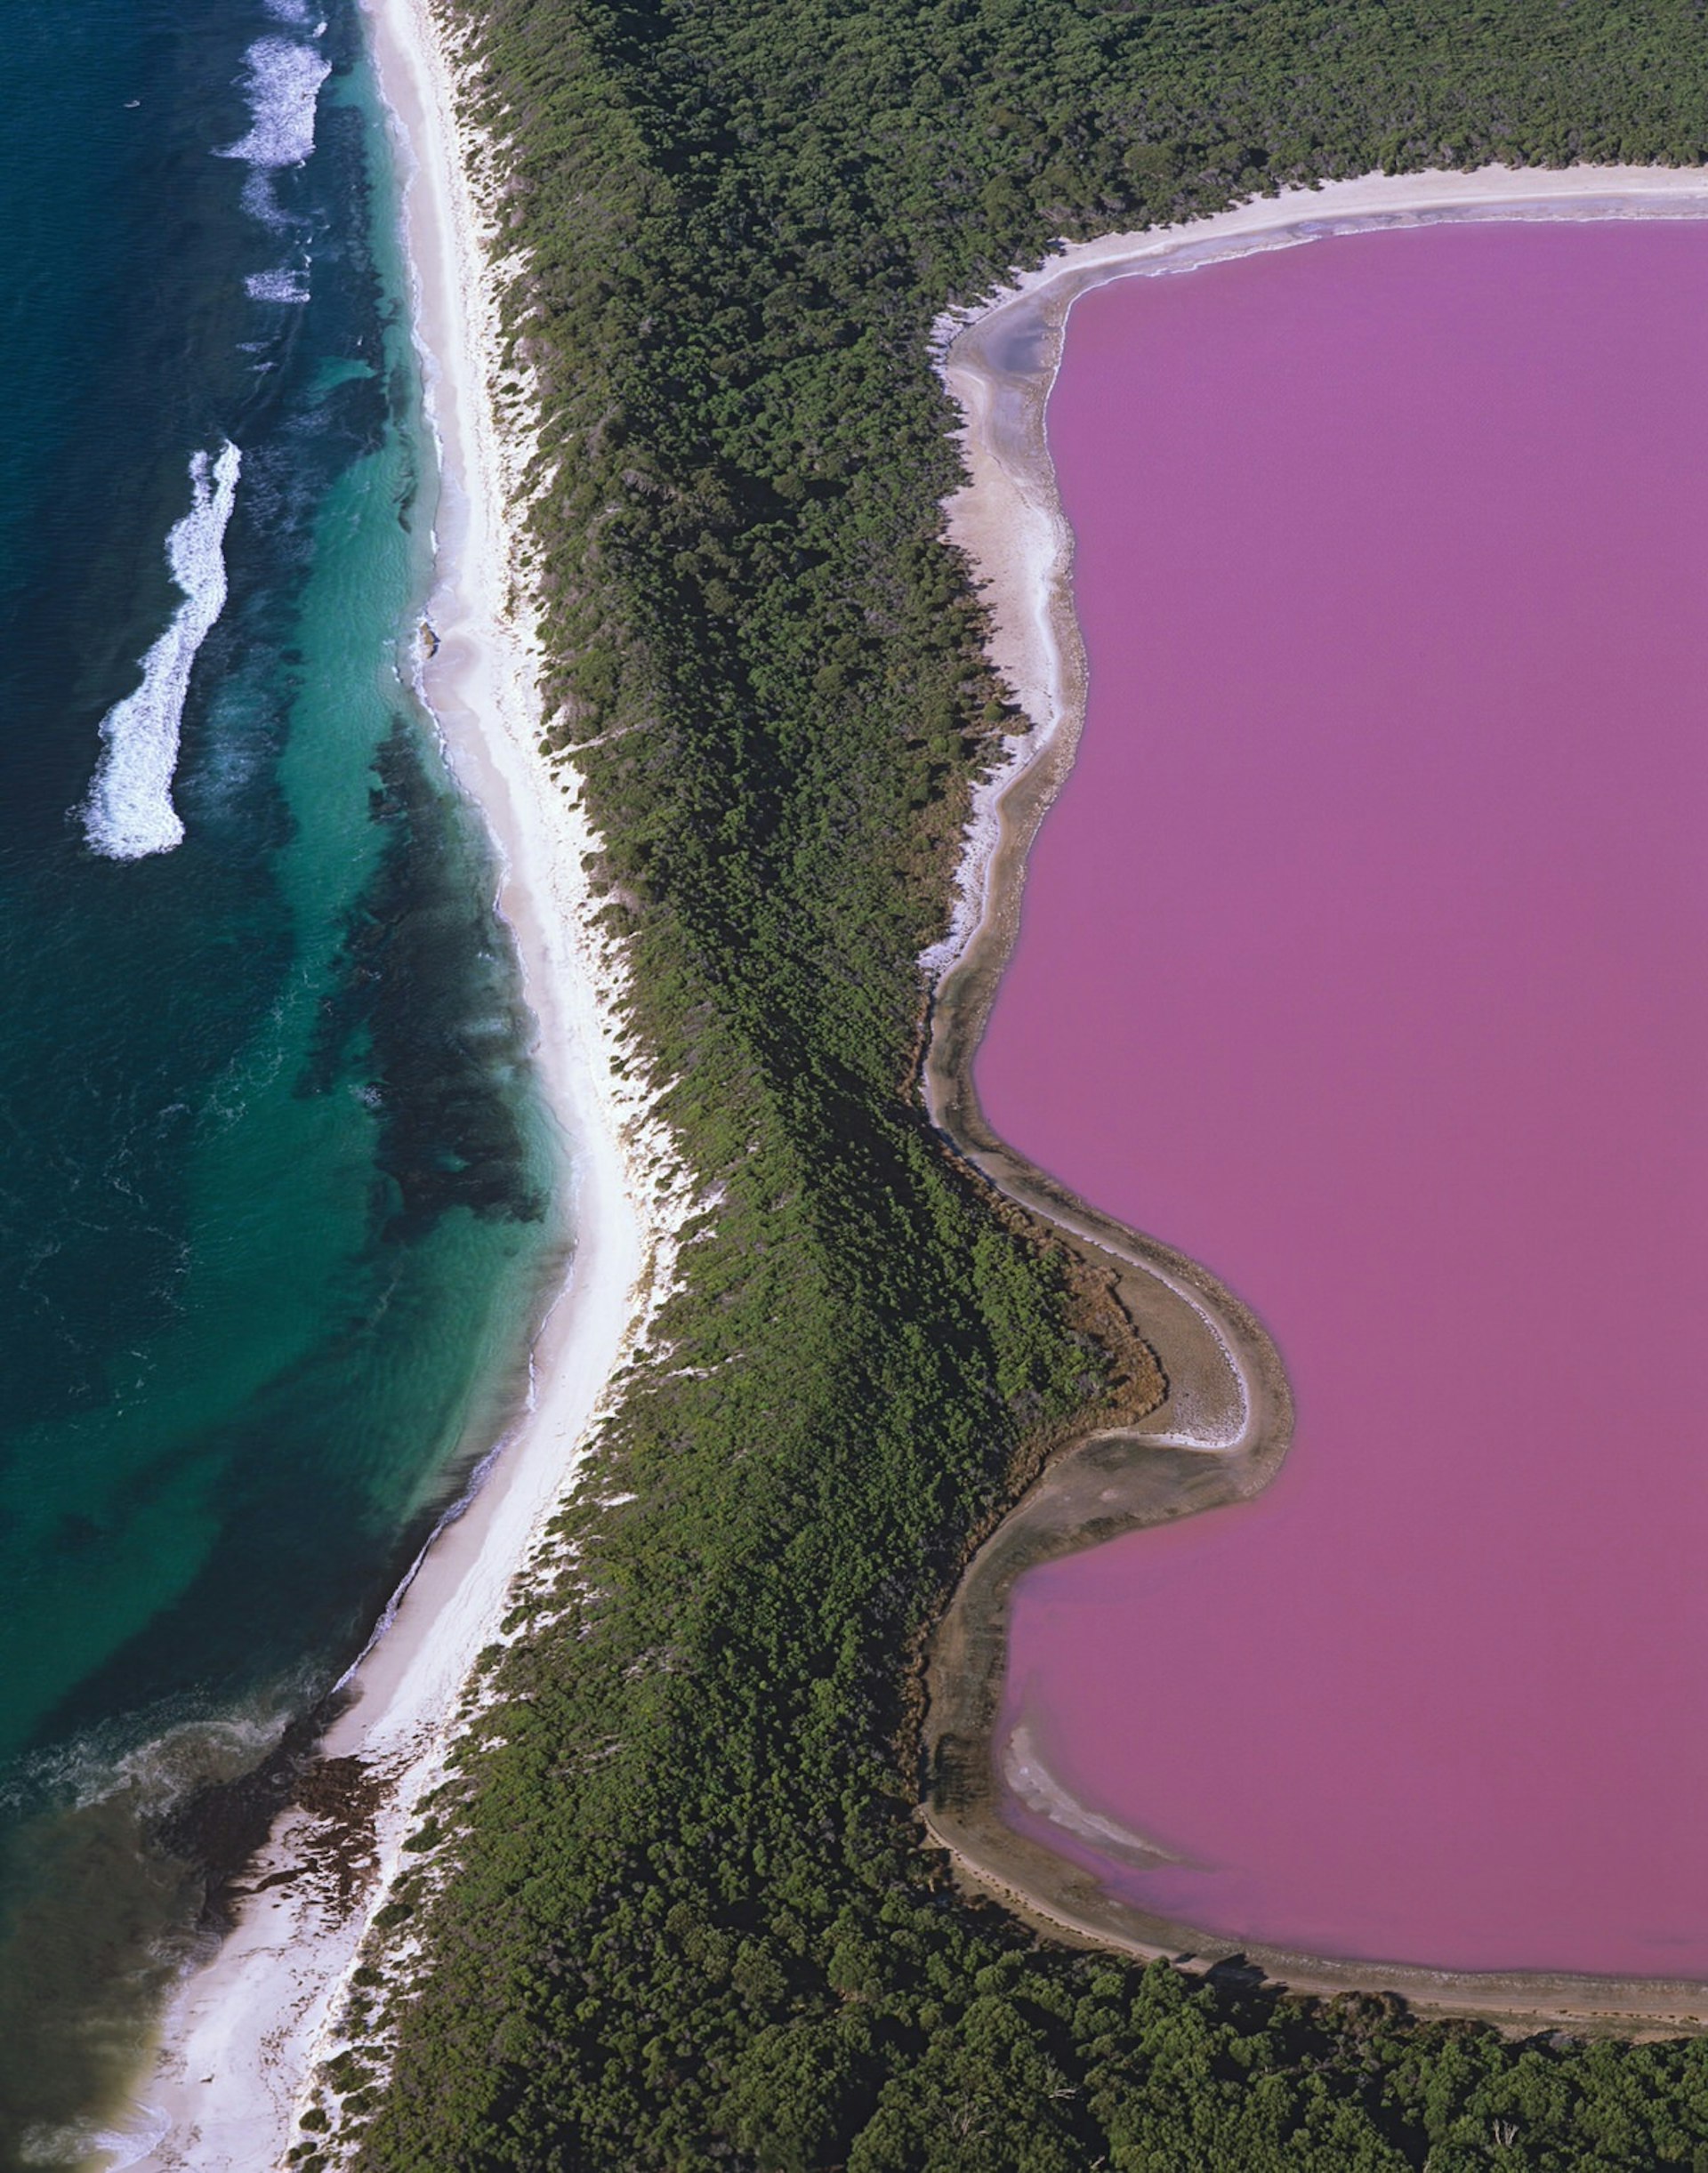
{"points": [[278, 1191]]}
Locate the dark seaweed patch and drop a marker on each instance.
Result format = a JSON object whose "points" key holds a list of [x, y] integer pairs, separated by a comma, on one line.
{"points": [[425, 1017]]}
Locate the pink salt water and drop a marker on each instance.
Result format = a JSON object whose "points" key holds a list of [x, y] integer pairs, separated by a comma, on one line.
{"points": [[1364, 958]]}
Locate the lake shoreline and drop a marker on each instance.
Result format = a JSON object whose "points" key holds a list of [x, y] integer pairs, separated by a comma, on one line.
{"points": [[999, 362], [247, 2028]]}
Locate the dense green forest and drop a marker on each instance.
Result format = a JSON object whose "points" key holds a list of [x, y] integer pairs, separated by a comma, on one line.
{"points": [[674, 1909]]}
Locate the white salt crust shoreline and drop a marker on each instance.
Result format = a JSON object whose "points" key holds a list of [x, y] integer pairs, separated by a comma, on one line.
{"points": [[999, 361], [1009, 520], [246, 2031], [1007, 517]]}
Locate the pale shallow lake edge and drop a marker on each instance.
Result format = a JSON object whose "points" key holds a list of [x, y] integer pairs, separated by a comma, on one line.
{"points": [[243, 2038], [1223, 1432]]}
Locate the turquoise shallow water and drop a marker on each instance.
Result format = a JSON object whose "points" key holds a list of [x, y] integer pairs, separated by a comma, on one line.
{"points": [[277, 1202]]}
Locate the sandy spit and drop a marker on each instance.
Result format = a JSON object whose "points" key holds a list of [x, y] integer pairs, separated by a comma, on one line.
{"points": [[245, 2030], [999, 361]]}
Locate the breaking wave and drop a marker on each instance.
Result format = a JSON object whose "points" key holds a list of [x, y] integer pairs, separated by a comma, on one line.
{"points": [[151, 1763], [285, 79], [116, 2147], [283, 286], [128, 812]]}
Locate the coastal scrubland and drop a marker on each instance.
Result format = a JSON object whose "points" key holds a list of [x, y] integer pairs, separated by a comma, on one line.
{"points": [[674, 1908]]}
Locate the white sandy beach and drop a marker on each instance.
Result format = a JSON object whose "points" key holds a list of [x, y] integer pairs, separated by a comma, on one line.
{"points": [[246, 2030]]}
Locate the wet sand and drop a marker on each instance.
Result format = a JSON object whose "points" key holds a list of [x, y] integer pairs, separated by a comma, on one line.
{"points": [[1002, 368]]}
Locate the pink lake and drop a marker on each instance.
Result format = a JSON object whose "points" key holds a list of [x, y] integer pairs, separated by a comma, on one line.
{"points": [[1364, 958]]}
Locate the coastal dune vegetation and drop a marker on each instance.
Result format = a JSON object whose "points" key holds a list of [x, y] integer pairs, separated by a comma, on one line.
{"points": [[674, 1907]]}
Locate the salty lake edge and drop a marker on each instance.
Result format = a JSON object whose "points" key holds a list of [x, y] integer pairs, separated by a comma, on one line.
{"points": [[1215, 1441]]}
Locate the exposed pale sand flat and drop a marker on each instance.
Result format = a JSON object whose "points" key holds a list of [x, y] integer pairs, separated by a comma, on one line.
{"points": [[999, 362], [245, 2030]]}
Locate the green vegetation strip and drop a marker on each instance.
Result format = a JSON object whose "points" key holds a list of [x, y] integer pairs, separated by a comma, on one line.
{"points": [[685, 1916]]}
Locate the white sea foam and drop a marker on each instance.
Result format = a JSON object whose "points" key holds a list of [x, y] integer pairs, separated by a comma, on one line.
{"points": [[290, 11], [116, 2148], [139, 2139], [153, 1760], [286, 284], [285, 79], [128, 812]]}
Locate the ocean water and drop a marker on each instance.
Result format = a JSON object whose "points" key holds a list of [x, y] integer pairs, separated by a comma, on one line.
{"points": [[279, 1198], [1364, 957]]}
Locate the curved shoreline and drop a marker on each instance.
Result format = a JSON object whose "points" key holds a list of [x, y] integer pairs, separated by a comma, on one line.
{"points": [[248, 2029], [1224, 1429]]}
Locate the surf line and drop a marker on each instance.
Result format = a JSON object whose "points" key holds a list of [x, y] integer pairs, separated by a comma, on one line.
{"points": [[129, 813]]}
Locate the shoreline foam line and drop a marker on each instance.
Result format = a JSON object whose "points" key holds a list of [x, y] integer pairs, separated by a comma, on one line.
{"points": [[282, 88], [999, 362], [246, 2031], [283, 82], [129, 813]]}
